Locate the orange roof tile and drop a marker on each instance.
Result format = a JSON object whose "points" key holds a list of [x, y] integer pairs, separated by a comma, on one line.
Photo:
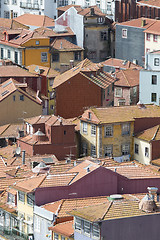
{"points": [[119, 63], [44, 71], [35, 20], [101, 79], [138, 22], [127, 78], [150, 134], [62, 44], [87, 11], [83, 169], [54, 33], [65, 8], [154, 28], [150, 3], [12, 71], [30, 184], [65, 229]]}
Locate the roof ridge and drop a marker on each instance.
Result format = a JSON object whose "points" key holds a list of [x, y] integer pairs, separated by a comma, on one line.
{"points": [[154, 136], [125, 77], [107, 210]]}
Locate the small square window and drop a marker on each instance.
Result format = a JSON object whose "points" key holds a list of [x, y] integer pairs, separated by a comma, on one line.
{"points": [[154, 79], [108, 151], [64, 132], [21, 97], [55, 57], [136, 148], [37, 42], [77, 56], [118, 92], [153, 97], [124, 33], [156, 61]]}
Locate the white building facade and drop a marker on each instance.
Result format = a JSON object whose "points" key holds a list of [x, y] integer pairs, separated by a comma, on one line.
{"points": [[15, 8], [149, 81]]}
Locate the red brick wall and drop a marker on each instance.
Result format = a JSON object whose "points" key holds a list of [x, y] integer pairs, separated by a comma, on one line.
{"points": [[75, 95]]}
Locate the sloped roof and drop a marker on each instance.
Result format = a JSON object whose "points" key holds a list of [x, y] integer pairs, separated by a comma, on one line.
{"points": [[127, 78], [150, 3], [62, 44], [124, 113], [87, 11], [48, 72], [8, 23], [138, 23], [65, 8], [83, 169], [119, 63], [53, 33], [154, 28], [150, 134], [128, 206], [65, 228], [101, 79], [10, 130], [30, 184], [11, 86], [12, 71], [35, 20]]}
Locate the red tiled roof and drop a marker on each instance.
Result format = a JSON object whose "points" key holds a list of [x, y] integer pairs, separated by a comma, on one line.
{"points": [[12, 71], [65, 229], [62, 44], [154, 28], [47, 72], [87, 11], [127, 78], [65, 8], [35, 20], [149, 3], [151, 134], [138, 22], [119, 63]]}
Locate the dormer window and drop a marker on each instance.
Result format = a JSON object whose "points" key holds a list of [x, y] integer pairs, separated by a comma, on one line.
{"points": [[89, 115], [100, 20]]}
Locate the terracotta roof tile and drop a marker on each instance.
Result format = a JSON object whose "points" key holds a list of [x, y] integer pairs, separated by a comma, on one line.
{"points": [[101, 79], [30, 184], [128, 206], [119, 63], [150, 3], [154, 28], [124, 113], [83, 169], [35, 20], [150, 134], [87, 11], [65, 229], [127, 78], [12, 71], [44, 71], [54, 33], [65, 8], [10, 130], [62, 44], [138, 23]]}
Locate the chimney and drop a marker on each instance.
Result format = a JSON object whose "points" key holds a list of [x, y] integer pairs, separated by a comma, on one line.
{"points": [[143, 23], [92, 11], [23, 157], [152, 191]]}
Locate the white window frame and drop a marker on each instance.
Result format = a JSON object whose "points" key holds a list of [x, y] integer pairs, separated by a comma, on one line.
{"points": [[93, 150], [118, 92], [85, 127], [136, 148], [124, 33], [108, 150], [78, 224], [93, 130], [108, 131], [146, 153], [125, 129], [95, 231], [125, 149], [156, 61], [87, 228]]}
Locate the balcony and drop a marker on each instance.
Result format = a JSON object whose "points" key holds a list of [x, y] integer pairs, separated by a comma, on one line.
{"points": [[13, 233], [34, 6]]}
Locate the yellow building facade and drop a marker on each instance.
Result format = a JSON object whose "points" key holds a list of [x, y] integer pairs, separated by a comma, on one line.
{"points": [[17, 106], [36, 51]]}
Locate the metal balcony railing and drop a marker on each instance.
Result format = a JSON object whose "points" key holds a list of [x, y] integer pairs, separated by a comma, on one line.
{"points": [[29, 5]]}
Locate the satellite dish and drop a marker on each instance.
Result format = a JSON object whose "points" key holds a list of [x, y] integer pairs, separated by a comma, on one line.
{"points": [[18, 150], [36, 69]]}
